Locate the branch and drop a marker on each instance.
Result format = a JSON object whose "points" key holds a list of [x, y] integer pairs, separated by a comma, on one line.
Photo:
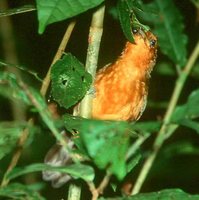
{"points": [[165, 127], [62, 46], [94, 40]]}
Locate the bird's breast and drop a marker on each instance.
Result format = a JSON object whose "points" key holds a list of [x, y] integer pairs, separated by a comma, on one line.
{"points": [[119, 94]]}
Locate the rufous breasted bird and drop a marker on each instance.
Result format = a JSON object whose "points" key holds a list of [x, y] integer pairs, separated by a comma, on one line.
{"points": [[121, 91], [122, 87]]}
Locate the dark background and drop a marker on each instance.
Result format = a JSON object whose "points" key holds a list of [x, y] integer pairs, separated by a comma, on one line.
{"points": [[36, 52]]}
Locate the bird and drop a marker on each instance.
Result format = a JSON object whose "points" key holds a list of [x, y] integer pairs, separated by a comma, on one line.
{"points": [[120, 94], [121, 88]]}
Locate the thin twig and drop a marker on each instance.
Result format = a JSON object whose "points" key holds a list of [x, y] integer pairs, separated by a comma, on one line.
{"points": [[93, 190], [103, 183], [165, 127], [57, 56], [17, 153], [100, 189], [14, 11], [22, 68], [43, 91]]}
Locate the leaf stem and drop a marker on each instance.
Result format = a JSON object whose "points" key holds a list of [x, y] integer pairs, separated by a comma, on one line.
{"points": [[94, 39], [165, 126]]}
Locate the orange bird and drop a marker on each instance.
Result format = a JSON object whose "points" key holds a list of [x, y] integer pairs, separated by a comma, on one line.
{"points": [[122, 87], [121, 92]]}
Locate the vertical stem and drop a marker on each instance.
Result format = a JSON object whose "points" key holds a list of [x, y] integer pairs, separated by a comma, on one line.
{"points": [[10, 54], [164, 129], [74, 192], [94, 40]]}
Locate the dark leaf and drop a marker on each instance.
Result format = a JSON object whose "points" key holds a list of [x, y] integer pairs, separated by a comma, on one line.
{"points": [[70, 81], [127, 17], [57, 10]]}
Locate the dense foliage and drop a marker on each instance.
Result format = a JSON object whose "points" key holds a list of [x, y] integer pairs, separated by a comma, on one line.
{"points": [[153, 158]]}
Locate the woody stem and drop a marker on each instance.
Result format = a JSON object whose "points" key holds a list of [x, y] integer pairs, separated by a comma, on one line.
{"points": [[94, 39]]}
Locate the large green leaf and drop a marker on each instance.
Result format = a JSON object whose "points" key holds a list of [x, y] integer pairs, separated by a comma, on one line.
{"points": [[57, 10], [168, 194], [107, 144], [18, 191], [77, 170], [169, 27], [70, 81]]}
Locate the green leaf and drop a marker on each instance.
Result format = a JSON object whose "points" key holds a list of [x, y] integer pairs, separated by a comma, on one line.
{"points": [[107, 144], [9, 135], [128, 20], [125, 20], [70, 81], [77, 170], [57, 10], [18, 191], [189, 110], [169, 27], [133, 162], [168, 194]]}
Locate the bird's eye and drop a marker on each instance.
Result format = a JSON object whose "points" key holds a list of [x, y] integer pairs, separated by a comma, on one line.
{"points": [[152, 42], [135, 30]]}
